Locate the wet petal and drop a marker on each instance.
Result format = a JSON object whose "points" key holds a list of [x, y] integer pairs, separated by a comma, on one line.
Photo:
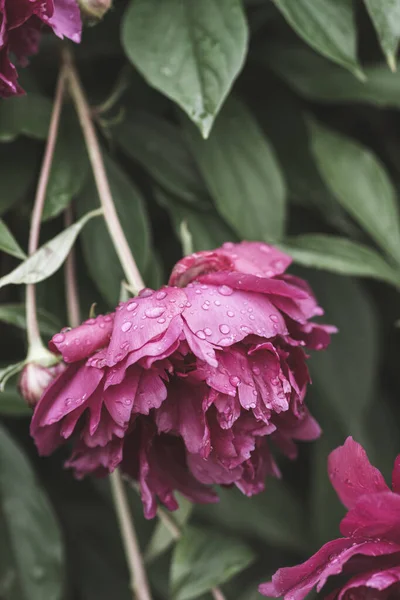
{"points": [[81, 342], [375, 515]]}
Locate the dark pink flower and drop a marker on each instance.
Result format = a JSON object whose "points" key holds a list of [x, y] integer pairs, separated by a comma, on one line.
{"points": [[368, 557], [21, 22], [186, 387]]}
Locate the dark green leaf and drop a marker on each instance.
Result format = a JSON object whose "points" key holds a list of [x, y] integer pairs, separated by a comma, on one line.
{"points": [[14, 314], [242, 173], [8, 243], [18, 163], [162, 537], [360, 183], [273, 517], [190, 51], [203, 560], [49, 258], [69, 169], [316, 78], [329, 27], [385, 15], [100, 257], [160, 148], [339, 255], [207, 229], [35, 552], [26, 115]]}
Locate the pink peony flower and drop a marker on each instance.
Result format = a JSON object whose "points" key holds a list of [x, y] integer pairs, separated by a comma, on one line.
{"points": [[368, 557], [21, 24], [185, 387]]}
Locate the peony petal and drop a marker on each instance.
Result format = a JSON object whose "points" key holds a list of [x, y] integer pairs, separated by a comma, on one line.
{"points": [[396, 475], [294, 583], [81, 342], [255, 283], [66, 20], [375, 515], [351, 473], [376, 580], [142, 320], [223, 316]]}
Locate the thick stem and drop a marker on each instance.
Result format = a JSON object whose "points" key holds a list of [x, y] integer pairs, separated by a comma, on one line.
{"points": [[139, 581], [33, 332], [121, 245], [73, 308]]}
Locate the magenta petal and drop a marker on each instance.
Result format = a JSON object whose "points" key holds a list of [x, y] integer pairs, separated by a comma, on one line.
{"points": [[375, 515], [351, 473], [81, 342], [210, 470], [66, 20], [255, 283], [142, 320], [375, 580], [119, 398], [223, 316], [294, 583]]}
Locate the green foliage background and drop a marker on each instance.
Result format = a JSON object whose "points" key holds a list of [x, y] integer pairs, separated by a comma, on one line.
{"points": [[298, 101]]}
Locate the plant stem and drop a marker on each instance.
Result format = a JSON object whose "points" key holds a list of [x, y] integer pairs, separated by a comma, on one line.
{"points": [[139, 581], [175, 531], [121, 245], [73, 308], [33, 332]]}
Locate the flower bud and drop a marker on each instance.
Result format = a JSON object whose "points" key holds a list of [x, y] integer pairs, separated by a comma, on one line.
{"points": [[94, 10], [35, 378]]}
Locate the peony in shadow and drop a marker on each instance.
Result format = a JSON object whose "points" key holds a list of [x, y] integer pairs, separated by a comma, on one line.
{"points": [[186, 387], [367, 558]]}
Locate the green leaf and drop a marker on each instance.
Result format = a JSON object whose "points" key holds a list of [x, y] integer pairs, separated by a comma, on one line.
{"points": [[8, 243], [274, 517], [329, 27], [18, 163], [190, 51], [318, 79], [205, 559], [49, 258], [69, 169], [13, 405], [25, 115], [339, 255], [242, 173], [206, 228], [32, 549], [345, 375], [100, 257], [385, 15], [162, 538], [360, 183], [158, 146], [14, 314]]}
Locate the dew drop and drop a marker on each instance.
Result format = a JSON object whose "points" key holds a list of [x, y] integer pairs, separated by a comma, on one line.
{"points": [[107, 318], [146, 293], [264, 248], [154, 312], [217, 303], [200, 334], [251, 317], [245, 329], [205, 306], [208, 331], [224, 329], [68, 401], [225, 290], [126, 326], [274, 318], [198, 291], [127, 402], [256, 370], [234, 380], [161, 295], [230, 313], [161, 320], [131, 306]]}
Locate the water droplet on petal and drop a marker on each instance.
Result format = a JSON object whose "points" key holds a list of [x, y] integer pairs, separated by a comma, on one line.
{"points": [[127, 401], [154, 312], [230, 313], [252, 317], [198, 291], [68, 401], [58, 338], [256, 370], [161, 295], [225, 290], [274, 318], [146, 293], [234, 380], [108, 318], [264, 248], [200, 334], [131, 306], [161, 320], [225, 342], [217, 303], [245, 329], [126, 326], [224, 329]]}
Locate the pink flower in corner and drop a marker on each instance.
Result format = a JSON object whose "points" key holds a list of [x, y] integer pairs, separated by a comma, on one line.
{"points": [[21, 22], [368, 556], [186, 387]]}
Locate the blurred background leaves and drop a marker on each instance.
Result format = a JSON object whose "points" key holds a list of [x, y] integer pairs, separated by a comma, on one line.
{"points": [[299, 104]]}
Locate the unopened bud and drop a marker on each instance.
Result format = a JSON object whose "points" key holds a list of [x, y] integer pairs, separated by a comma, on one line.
{"points": [[34, 380], [94, 10]]}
